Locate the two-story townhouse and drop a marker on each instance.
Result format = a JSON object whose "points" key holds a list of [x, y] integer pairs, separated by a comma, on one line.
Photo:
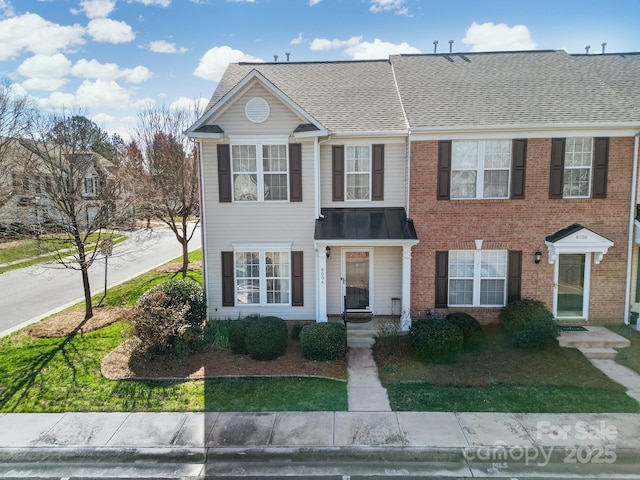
{"points": [[304, 170], [523, 172], [517, 172]]}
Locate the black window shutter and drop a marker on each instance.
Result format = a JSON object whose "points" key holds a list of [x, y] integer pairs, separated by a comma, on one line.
{"points": [[337, 166], [600, 166], [514, 282], [556, 176], [377, 171], [442, 279], [295, 172], [518, 168], [228, 290], [444, 169], [224, 172], [297, 279]]}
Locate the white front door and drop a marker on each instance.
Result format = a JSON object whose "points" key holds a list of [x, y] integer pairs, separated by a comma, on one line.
{"points": [[572, 272], [357, 279]]}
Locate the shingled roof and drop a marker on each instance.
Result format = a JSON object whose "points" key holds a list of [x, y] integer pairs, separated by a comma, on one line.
{"points": [[357, 96]]}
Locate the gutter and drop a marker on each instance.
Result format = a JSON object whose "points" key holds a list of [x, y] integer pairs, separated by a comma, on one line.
{"points": [[632, 219]]}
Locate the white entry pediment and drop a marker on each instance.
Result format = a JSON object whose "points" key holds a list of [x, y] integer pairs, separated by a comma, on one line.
{"points": [[577, 239]]}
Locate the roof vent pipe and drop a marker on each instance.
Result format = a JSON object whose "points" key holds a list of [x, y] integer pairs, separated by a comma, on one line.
{"points": [[275, 58], [604, 44], [287, 54], [435, 46], [450, 46], [586, 49]]}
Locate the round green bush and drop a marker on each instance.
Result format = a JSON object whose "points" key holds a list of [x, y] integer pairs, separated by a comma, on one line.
{"points": [[472, 331], [237, 334], [183, 292], [266, 338], [528, 323], [324, 341], [435, 341]]}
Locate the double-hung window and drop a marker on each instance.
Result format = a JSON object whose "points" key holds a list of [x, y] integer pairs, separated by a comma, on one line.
{"points": [[477, 278], [577, 167], [358, 172], [260, 172], [480, 169], [262, 277]]}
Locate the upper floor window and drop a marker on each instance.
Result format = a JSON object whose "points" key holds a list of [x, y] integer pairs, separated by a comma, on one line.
{"points": [[260, 172], [91, 186], [577, 167], [358, 172], [480, 169]]}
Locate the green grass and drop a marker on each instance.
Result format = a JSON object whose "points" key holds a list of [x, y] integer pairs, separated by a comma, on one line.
{"points": [[500, 377], [630, 356], [28, 249], [63, 374]]}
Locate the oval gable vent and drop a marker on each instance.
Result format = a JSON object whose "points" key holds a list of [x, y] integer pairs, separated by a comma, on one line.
{"points": [[257, 110]]}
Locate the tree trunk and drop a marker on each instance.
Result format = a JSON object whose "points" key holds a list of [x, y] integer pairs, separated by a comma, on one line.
{"points": [[185, 254], [84, 268]]}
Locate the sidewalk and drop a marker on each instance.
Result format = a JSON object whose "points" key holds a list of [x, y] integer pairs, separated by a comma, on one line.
{"points": [[407, 444]]}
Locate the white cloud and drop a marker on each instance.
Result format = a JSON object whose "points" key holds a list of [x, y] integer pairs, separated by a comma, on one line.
{"points": [[298, 40], [45, 72], [6, 9], [162, 3], [489, 37], [396, 6], [314, 2], [59, 99], [92, 69], [162, 46], [97, 8], [45, 84], [322, 44], [378, 49], [110, 31], [33, 33], [144, 104], [215, 61], [102, 93], [102, 118], [185, 103]]}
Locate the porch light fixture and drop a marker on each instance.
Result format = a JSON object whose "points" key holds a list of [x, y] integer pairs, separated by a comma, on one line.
{"points": [[328, 251], [538, 255]]}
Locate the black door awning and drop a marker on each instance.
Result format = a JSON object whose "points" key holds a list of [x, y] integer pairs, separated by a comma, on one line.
{"points": [[364, 224]]}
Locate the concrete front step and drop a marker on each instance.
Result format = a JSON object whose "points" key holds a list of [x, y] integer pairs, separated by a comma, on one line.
{"points": [[594, 337], [608, 353]]}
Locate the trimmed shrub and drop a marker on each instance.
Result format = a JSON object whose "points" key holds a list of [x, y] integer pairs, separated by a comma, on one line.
{"points": [[324, 341], [215, 333], [295, 330], [184, 292], [266, 338], [528, 323], [472, 331], [237, 334], [435, 341]]}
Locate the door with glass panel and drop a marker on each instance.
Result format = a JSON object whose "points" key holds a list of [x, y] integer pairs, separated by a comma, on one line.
{"points": [[357, 280], [571, 285]]}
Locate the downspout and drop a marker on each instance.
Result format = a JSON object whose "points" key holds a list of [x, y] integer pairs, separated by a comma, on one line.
{"points": [[203, 216], [632, 218], [408, 184]]}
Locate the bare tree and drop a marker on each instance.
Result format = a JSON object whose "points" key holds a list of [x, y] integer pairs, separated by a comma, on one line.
{"points": [[16, 111], [81, 188], [173, 164]]}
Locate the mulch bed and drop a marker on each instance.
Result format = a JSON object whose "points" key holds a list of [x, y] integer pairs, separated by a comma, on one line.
{"points": [[66, 323]]}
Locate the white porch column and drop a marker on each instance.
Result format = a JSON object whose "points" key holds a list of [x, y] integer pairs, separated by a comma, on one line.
{"points": [[321, 282], [405, 319]]}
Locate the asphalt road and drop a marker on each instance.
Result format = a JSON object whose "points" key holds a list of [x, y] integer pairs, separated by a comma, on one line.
{"points": [[30, 294]]}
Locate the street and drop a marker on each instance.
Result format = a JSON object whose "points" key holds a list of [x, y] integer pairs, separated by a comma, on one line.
{"points": [[29, 294]]}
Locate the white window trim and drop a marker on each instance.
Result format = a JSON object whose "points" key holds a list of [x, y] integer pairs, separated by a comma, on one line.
{"points": [[258, 144], [261, 249], [480, 169], [347, 173], [477, 279], [582, 167]]}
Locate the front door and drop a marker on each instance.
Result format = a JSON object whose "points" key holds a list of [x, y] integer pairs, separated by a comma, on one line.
{"points": [[572, 285], [357, 279]]}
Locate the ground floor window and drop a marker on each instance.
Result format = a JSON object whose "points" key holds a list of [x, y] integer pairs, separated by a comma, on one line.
{"points": [[477, 278], [262, 277]]}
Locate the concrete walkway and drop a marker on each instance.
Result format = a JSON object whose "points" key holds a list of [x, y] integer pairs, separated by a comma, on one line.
{"points": [[325, 444], [364, 390]]}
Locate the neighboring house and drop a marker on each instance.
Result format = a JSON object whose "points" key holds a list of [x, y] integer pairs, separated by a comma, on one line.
{"points": [[29, 181], [454, 182]]}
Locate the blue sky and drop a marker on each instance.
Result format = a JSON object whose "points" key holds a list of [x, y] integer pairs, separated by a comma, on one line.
{"points": [[117, 57]]}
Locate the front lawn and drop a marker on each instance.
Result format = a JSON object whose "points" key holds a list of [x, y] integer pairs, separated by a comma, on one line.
{"points": [[630, 356], [501, 378]]}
